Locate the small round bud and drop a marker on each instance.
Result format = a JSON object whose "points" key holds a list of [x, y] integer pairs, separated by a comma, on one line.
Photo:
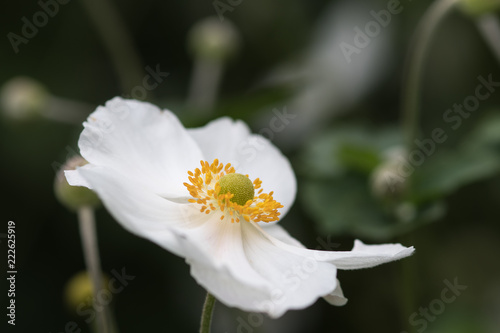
{"points": [[74, 197], [23, 98], [78, 290], [479, 7], [239, 185], [214, 40], [387, 182]]}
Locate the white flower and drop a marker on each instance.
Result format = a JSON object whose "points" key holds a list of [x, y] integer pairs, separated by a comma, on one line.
{"points": [[139, 158]]}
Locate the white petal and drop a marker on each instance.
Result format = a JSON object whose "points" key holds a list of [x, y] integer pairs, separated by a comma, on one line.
{"points": [[299, 280], [278, 232], [142, 142], [215, 252], [365, 256], [232, 142], [221, 139], [336, 297], [284, 275], [218, 245], [361, 256], [248, 271], [75, 179], [137, 209], [219, 264]]}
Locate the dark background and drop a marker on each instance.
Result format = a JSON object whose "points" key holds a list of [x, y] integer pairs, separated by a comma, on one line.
{"points": [[67, 56]]}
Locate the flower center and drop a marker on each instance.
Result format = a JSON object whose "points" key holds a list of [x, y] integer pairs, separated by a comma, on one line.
{"points": [[219, 188], [239, 185]]}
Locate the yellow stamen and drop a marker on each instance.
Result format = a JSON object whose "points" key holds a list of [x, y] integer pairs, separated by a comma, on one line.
{"points": [[205, 189]]}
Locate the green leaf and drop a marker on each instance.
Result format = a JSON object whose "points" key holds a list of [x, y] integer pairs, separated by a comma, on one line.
{"points": [[486, 133], [476, 158], [459, 319], [352, 147], [450, 170], [360, 158], [344, 205]]}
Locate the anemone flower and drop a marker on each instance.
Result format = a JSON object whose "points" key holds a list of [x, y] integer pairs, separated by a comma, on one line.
{"points": [[145, 166]]}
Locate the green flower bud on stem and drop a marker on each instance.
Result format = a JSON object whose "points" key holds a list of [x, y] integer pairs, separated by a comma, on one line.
{"points": [[212, 39], [79, 290], [23, 98], [74, 197], [387, 182]]}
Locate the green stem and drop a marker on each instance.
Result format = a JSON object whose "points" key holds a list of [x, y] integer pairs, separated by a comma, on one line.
{"points": [[92, 261], [411, 114], [415, 64], [489, 27], [66, 110], [117, 42], [408, 283], [205, 81], [206, 315]]}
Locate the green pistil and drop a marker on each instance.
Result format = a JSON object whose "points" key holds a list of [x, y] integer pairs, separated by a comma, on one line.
{"points": [[239, 185]]}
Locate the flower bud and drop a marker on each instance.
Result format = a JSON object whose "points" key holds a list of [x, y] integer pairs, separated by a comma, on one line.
{"points": [[214, 40], [74, 197], [479, 7], [23, 98], [78, 290], [386, 180]]}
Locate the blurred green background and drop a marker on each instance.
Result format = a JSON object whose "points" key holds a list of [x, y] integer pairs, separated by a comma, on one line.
{"points": [[345, 131]]}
